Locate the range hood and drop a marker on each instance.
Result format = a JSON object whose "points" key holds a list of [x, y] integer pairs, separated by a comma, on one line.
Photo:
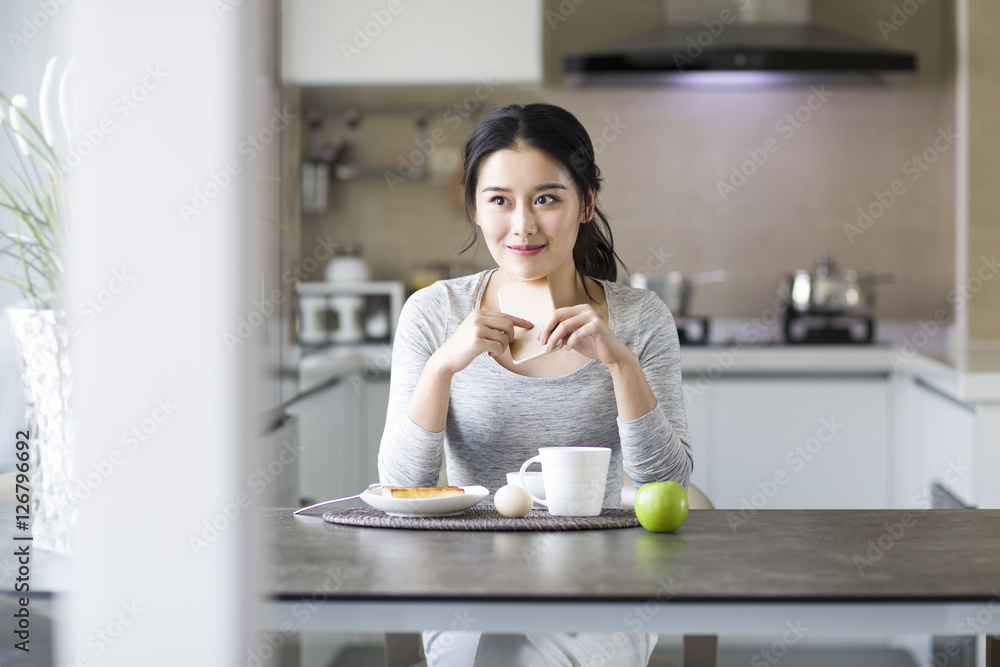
{"points": [[727, 42]]}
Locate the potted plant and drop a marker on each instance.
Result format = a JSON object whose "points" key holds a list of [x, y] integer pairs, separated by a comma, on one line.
{"points": [[34, 249]]}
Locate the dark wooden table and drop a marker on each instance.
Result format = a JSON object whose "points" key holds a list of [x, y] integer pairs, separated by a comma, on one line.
{"points": [[830, 572]]}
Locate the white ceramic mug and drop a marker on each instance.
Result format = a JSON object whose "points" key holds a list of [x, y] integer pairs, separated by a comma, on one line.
{"points": [[574, 479], [535, 484]]}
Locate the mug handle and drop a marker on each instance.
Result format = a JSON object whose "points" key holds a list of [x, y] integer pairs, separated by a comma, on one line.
{"points": [[524, 483]]}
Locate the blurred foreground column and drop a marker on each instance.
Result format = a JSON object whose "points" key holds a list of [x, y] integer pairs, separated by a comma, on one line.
{"points": [[163, 247]]}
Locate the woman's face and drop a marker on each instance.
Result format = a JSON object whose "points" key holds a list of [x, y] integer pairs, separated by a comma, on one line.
{"points": [[529, 212]]}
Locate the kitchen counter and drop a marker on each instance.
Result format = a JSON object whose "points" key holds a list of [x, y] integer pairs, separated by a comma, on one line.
{"points": [[977, 382], [972, 386], [737, 359], [322, 365]]}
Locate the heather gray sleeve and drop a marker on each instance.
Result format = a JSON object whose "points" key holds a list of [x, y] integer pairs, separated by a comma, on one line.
{"points": [[410, 455], [657, 445]]}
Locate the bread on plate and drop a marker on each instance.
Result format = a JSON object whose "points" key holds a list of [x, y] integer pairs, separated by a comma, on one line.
{"points": [[422, 491]]}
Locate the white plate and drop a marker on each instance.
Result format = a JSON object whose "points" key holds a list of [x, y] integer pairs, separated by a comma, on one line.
{"points": [[444, 506]]}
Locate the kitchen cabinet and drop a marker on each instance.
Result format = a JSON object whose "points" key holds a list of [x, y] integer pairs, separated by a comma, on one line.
{"points": [[395, 42], [805, 442], [936, 443], [696, 408], [340, 428]]}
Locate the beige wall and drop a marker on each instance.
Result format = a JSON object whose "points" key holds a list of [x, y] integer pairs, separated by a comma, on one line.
{"points": [[675, 145], [984, 169]]}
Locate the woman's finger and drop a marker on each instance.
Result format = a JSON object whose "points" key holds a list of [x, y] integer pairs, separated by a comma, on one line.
{"points": [[559, 316], [565, 329], [589, 329], [504, 322]]}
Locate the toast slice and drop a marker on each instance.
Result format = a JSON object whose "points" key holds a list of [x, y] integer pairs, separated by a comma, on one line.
{"points": [[531, 300], [422, 492]]}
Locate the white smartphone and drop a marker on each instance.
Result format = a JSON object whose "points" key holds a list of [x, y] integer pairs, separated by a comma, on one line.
{"points": [[532, 300]]}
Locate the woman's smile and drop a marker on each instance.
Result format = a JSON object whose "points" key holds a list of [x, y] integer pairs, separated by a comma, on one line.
{"points": [[529, 212], [526, 250]]}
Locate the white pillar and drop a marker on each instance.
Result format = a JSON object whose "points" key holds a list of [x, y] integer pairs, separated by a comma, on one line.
{"points": [[163, 575]]}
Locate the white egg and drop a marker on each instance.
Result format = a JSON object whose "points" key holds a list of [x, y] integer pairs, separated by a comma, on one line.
{"points": [[512, 501]]}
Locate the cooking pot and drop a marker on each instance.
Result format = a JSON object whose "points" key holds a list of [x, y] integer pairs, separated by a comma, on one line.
{"points": [[675, 287], [830, 291]]}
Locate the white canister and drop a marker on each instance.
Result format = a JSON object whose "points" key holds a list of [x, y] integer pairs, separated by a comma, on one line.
{"points": [[347, 269]]}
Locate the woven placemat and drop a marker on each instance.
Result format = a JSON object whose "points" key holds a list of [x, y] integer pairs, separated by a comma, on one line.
{"points": [[483, 518]]}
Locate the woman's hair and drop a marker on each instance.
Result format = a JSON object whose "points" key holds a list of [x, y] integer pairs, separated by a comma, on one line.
{"points": [[558, 134]]}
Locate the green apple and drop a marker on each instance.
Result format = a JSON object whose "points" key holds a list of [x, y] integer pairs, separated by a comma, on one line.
{"points": [[661, 507]]}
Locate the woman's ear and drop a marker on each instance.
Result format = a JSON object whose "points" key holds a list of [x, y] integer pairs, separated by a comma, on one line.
{"points": [[588, 206]]}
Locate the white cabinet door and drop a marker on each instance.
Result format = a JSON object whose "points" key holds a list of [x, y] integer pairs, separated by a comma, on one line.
{"points": [[942, 432], [375, 402], [400, 42], [339, 433], [329, 431], [696, 405], [800, 443]]}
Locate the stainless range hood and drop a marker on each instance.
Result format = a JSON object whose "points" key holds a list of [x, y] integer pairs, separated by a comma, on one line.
{"points": [[727, 40]]}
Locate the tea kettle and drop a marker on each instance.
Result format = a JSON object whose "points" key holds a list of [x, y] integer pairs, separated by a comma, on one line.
{"points": [[828, 290]]}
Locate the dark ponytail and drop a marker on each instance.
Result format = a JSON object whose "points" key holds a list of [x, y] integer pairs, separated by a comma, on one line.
{"points": [[558, 134]]}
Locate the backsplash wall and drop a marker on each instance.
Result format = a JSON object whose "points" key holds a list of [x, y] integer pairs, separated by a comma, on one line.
{"points": [[753, 180]]}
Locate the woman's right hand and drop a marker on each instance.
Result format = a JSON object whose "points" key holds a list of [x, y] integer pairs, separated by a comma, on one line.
{"points": [[482, 331]]}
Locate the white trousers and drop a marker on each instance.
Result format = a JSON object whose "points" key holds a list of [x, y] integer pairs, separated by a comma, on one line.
{"points": [[474, 649]]}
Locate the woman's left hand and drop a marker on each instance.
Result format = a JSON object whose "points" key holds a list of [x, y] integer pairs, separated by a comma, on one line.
{"points": [[580, 328]]}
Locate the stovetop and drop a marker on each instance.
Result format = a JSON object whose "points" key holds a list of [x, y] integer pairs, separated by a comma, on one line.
{"points": [[778, 330]]}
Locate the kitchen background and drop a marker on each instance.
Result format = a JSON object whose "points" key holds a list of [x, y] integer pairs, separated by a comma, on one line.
{"points": [[665, 153], [682, 196]]}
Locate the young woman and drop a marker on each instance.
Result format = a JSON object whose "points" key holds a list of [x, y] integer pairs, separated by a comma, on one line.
{"points": [[612, 378]]}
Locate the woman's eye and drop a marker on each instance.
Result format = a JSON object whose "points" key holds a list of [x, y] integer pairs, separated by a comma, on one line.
{"points": [[545, 199], [498, 200]]}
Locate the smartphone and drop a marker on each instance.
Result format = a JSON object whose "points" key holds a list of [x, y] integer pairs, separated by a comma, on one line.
{"points": [[532, 300]]}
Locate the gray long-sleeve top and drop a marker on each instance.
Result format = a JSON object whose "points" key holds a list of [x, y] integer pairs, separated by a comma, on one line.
{"points": [[497, 419]]}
